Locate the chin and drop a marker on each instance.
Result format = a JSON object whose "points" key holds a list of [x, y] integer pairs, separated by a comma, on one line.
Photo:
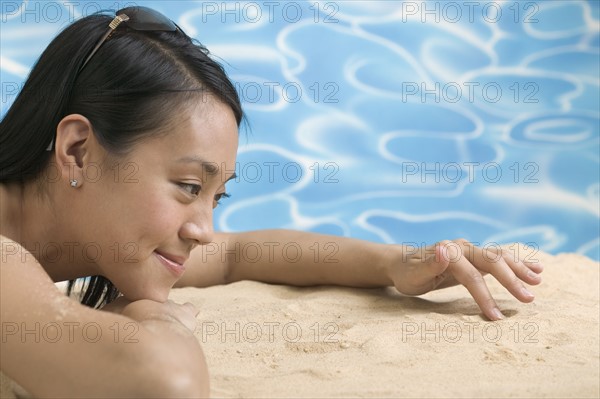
{"points": [[145, 281], [154, 294]]}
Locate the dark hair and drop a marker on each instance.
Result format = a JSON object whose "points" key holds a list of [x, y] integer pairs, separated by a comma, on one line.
{"points": [[129, 90]]}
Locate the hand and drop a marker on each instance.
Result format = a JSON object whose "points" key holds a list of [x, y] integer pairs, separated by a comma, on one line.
{"points": [[146, 309], [449, 263]]}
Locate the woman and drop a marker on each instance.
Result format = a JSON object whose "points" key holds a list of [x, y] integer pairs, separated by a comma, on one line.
{"points": [[114, 155]]}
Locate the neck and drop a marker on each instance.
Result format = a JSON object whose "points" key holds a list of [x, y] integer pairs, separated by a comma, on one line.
{"points": [[29, 218]]}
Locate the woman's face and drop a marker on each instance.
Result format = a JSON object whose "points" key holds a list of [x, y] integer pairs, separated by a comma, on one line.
{"points": [[148, 211]]}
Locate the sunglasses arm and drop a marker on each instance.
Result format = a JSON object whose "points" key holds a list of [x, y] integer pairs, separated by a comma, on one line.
{"points": [[111, 27]]}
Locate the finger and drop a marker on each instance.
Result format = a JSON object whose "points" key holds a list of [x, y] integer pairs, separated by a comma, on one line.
{"points": [[494, 263], [473, 281], [439, 259], [535, 266], [529, 260], [521, 270], [426, 270], [192, 308], [528, 257]]}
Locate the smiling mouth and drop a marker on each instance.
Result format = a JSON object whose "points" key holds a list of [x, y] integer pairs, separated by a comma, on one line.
{"points": [[172, 265]]}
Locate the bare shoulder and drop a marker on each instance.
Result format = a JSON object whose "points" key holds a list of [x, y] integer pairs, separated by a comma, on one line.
{"points": [[48, 340], [17, 263], [25, 285], [29, 304]]}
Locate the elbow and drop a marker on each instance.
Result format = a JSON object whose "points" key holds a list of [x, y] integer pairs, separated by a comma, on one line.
{"points": [[169, 376], [182, 384]]}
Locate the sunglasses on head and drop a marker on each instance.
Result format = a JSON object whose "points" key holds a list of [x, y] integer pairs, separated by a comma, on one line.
{"points": [[138, 18]]}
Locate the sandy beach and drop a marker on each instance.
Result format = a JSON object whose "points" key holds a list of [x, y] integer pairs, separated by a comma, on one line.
{"points": [[277, 341]]}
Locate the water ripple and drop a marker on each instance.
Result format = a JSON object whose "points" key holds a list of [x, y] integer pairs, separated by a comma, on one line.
{"points": [[376, 120]]}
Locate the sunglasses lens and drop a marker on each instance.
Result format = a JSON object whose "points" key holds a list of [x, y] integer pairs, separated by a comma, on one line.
{"points": [[143, 18]]}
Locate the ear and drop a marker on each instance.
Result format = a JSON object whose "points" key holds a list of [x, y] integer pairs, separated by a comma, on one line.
{"points": [[74, 139]]}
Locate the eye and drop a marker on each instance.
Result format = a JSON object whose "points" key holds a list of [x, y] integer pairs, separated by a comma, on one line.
{"points": [[220, 196], [190, 188]]}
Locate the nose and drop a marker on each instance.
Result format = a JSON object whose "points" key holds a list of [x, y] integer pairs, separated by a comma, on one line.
{"points": [[198, 228]]}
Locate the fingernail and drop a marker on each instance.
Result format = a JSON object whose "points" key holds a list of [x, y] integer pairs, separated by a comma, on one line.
{"points": [[526, 292], [497, 314], [539, 265], [532, 274]]}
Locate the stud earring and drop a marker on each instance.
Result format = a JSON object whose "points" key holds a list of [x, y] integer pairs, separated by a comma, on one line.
{"points": [[73, 183]]}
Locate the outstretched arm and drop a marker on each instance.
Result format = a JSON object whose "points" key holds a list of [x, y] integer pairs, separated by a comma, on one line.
{"points": [[288, 257], [304, 259]]}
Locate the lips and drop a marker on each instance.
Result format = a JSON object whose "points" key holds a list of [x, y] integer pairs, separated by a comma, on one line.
{"points": [[172, 262]]}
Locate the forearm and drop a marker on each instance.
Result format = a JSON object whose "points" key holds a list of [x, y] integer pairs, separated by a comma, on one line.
{"points": [[106, 355], [303, 259], [167, 352]]}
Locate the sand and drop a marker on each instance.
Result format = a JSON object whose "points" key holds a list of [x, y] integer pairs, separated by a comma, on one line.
{"points": [[276, 341]]}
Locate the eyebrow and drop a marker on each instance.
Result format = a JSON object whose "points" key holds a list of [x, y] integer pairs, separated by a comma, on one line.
{"points": [[210, 167]]}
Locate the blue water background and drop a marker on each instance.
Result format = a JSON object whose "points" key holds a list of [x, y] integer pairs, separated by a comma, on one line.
{"points": [[396, 122]]}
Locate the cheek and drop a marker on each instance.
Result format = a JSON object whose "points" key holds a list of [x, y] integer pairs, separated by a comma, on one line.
{"points": [[155, 214], [143, 210]]}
